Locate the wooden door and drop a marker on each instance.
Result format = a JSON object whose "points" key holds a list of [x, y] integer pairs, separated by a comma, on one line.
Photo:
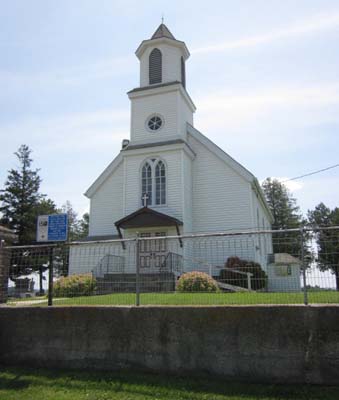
{"points": [[152, 252]]}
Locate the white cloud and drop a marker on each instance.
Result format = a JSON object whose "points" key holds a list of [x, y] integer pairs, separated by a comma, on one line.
{"points": [[313, 25]]}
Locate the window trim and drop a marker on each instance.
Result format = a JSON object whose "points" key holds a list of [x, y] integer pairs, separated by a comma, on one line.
{"points": [[153, 165], [151, 116]]}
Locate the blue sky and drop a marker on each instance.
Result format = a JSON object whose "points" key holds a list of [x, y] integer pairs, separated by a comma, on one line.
{"points": [[264, 76]]}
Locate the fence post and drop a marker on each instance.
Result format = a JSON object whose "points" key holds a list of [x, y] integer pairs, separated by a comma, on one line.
{"points": [[249, 286], [50, 277], [4, 273], [137, 276], [303, 266]]}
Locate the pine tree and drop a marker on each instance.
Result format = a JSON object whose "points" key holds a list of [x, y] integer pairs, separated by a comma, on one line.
{"points": [[286, 215], [22, 203], [20, 197], [286, 212], [84, 226], [327, 240]]}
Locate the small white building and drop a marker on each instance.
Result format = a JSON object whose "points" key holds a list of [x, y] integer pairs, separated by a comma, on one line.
{"points": [[169, 178]]}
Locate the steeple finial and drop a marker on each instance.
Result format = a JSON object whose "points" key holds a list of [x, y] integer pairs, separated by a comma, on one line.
{"points": [[162, 18]]}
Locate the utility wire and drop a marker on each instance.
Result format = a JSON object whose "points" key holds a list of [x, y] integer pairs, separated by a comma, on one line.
{"points": [[311, 173]]}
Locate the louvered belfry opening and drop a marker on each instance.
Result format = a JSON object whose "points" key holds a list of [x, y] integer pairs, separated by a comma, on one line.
{"points": [[155, 66], [183, 72]]}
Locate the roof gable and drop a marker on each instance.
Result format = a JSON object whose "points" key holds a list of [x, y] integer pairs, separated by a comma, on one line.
{"points": [[103, 176]]}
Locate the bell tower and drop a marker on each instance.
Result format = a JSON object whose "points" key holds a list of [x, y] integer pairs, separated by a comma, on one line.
{"points": [[162, 58], [161, 106]]}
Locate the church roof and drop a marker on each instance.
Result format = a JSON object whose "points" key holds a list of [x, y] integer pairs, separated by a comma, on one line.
{"points": [[162, 31]]}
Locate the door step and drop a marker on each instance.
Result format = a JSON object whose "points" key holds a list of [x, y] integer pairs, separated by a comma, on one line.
{"points": [[126, 283]]}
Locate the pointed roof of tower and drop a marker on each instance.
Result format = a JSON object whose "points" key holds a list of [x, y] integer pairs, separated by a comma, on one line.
{"points": [[162, 31], [162, 34]]}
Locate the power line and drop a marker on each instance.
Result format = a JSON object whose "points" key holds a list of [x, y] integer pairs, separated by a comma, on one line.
{"points": [[311, 173]]}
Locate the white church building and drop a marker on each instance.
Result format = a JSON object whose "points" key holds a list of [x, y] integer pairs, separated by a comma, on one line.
{"points": [[170, 179]]}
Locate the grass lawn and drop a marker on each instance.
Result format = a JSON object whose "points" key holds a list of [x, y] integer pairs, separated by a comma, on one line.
{"points": [[34, 384], [321, 297]]}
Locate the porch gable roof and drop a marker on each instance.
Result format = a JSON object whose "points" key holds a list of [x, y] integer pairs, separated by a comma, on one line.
{"points": [[146, 217]]}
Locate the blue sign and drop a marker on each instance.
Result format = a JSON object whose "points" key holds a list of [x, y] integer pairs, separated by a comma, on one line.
{"points": [[52, 228]]}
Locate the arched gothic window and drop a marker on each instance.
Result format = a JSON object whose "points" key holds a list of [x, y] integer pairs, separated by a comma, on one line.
{"points": [[153, 182], [146, 182], [183, 73], [155, 66]]}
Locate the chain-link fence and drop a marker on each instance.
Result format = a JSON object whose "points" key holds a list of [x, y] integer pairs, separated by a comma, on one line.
{"points": [[292, 266]]}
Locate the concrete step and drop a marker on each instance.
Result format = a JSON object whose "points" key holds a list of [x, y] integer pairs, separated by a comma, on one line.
{"points": [[115, 283]]}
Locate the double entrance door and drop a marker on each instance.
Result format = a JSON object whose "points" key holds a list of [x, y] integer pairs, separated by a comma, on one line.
{"points": [[152, 252]]}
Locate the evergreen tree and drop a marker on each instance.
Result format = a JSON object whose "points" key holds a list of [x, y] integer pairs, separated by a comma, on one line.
{"points": [[77, 228], [327, 240], [73, 222], [286, 215], [84, 226], [20, 197]]}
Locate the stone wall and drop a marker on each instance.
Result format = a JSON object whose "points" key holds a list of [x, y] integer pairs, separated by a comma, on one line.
{"points": [[260, 344]]}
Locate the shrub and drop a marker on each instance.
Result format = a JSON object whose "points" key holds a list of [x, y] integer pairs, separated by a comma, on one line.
{"points": [[258, 278], [197, 282], [74, 285]]}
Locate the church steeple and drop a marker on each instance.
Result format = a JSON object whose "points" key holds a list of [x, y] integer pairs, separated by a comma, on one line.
{"points": [[162, 58], [162, 31], [161, 106]]}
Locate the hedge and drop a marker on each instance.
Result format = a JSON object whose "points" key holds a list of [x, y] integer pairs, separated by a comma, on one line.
{"points": [[75, 285], [197, 282]]}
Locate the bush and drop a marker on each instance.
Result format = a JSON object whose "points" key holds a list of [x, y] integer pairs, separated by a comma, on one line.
{"points": [[74, 285], [197, 282], [258, 279]]}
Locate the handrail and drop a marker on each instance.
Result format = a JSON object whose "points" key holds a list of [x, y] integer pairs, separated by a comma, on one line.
{"points": [[169, 256], [111, 267]]}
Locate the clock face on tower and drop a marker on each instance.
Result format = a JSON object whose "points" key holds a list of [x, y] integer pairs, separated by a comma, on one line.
{"points": [[154, 123]]}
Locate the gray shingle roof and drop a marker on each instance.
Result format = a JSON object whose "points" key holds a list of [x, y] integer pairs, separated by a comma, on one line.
{"points": [[162, 31]]}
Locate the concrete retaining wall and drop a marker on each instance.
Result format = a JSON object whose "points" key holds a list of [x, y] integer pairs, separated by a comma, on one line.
{"points": [[259, 344]]}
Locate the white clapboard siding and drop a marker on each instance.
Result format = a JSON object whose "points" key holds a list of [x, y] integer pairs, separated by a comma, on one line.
{"points": [[143, 107], [164, 104], [187, 192], [185, 115], [86, 258], [221, 197], [263, 243], [107, 204]]}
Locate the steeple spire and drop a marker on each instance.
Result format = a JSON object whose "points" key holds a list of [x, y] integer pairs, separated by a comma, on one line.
{"points": [[162, 31]]}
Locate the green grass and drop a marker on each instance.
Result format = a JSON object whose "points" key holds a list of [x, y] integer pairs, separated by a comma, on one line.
{"points": [[35, 384], [185, 299]]}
